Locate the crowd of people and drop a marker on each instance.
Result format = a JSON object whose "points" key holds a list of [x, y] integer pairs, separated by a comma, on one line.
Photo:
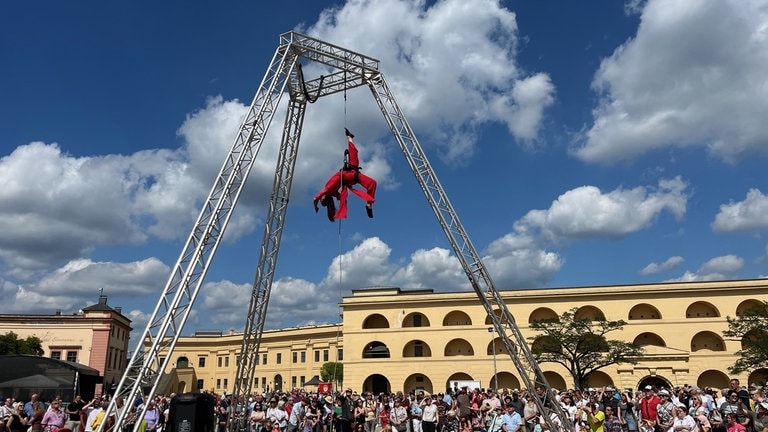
{"points": [[77, 415], [606, 409]]}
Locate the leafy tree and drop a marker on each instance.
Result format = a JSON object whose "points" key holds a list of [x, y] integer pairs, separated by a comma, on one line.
{"points": [[11, 344], [580, 344], [332, 372], [751, 328]]}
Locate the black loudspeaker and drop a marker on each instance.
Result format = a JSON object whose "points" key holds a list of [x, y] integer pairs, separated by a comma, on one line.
{"points": [[192, 412]]}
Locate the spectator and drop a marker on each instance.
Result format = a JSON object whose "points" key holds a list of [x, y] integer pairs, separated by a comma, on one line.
{"points": [[54, 418]]}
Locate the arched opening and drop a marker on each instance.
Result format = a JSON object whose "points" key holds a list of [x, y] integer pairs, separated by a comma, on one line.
{"points": [[714, 379], [452, 383], [654, 381], [278, 382], [417, 348], [456, 318], [506, 380], [555, 380], [707, 340], [598, 379], [751, 338], [750, 305], [643, 311], [415, 319], [546, 343], [542, 314], [418, 382], [458, 347], [377, 384], [591, 313], [498, 345], [182, 363], [648, 338], [701, 309], [375, 349], [375, 321], [759, 377], [497, 312]]}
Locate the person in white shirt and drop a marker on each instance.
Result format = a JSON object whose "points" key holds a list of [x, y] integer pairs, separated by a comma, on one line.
{"points": [[429, 415]]}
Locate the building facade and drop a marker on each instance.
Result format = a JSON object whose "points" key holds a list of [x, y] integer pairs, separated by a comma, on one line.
{"points": [[96, 337], [394, 339]]}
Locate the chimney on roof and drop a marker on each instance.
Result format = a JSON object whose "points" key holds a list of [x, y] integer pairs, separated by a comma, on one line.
{"points": [[102, 299], [118, 309], [58, 312]]}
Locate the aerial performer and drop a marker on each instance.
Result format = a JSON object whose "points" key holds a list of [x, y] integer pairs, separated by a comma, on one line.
{"points": [[344, 179]]}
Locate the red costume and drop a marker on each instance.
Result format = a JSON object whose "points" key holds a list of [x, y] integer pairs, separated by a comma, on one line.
{"points": [[344, 179]]}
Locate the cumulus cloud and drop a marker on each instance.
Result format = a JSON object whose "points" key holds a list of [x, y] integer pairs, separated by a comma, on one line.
{"points": [[670, 264], [416, 43], [718, 268], [748, 215], [705, 88], [587, 212]]}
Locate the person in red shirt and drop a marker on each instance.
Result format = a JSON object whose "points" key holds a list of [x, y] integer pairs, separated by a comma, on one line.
{"points": [[648, 406], [344, 179]]}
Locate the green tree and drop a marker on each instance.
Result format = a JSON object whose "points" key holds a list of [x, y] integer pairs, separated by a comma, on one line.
{"points": [[580, 344], [11, 344], [751, 329], [332, 372]]}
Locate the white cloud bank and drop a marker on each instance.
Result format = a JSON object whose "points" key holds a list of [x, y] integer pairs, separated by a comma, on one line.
{"points": [[693, 75]]}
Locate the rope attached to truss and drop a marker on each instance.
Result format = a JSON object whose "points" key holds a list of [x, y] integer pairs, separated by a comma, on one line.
{"points": [[310, 99]]}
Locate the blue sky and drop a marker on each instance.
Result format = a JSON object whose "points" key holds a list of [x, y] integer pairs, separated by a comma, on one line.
{"points": [[581, 143]]}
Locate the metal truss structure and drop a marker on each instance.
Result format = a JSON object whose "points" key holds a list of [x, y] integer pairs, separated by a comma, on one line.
{"points": [[347, 70]]}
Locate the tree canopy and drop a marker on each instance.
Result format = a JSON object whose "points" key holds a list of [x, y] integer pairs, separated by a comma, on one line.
{"points": [[751, 328], [580, 344], [11, 344], [332, 372]]}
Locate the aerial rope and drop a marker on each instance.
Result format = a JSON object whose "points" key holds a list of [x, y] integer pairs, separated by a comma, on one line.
{"points": [[309, 98], [341, 255]]}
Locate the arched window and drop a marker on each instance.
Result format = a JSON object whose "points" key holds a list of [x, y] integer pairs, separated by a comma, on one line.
{"points": [[458, 347], [707, 340], [456, 318], [541, 314], [749, 305], [182, 363], [648, 338], [643, 311], [375, 349], [375, 321], [589, 312], [416, 319], [417, 348], [701, 309]]}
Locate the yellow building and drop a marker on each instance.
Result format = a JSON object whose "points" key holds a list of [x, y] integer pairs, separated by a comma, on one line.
{"points": [[288, 358], [397, 339], [96, 337]]}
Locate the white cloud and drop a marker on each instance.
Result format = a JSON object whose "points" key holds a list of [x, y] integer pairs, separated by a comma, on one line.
{"points": [[416, 44], [670, 264], [747, 215], [693, 75], [587, 212], [718, 268]]}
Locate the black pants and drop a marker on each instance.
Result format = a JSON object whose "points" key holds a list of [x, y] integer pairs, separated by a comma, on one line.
{"points": [[427, 426]]}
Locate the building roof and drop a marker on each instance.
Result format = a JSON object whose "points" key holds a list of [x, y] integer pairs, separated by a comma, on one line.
{"points": [[100, 306]]}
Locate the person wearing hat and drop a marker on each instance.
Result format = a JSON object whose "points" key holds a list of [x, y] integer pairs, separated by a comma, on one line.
{"points": [[665, 411], [761, 416], [648, 407]]}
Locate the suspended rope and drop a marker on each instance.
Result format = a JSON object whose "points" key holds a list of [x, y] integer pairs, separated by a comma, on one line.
{"points": [[310, 99], [341, 255]]}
